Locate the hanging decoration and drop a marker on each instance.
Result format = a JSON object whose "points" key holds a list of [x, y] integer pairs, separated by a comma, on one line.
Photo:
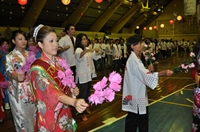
{"points": [[162, 25], [171, 22], [189, 7], [155, 27], [179, 18], [150, 28], [145, 28], [66, 2], [137, 27], [22, 2], [144, 8], [98, 1]]}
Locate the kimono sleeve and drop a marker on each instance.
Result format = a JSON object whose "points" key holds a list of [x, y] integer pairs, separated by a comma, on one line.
{"points": [[143, 74], [9, 66], [77, 55], [45, 90]]}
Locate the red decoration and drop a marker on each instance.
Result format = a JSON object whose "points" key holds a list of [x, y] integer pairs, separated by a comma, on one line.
{"points": [[22, 2], [171, 22], [145, 28], [154, 27], [98, 1]]}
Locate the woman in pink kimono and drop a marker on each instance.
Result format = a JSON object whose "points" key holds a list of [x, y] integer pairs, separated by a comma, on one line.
{"points": [[53, 97], [19, 92]]}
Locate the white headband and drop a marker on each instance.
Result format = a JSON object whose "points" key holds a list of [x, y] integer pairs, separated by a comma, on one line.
{"points": [[36, 31]]}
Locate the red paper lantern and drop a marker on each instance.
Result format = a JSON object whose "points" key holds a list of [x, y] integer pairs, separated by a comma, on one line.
{"points": [[99, 1], [154, 27], [22, 2], [145, 28], [171, 22]]}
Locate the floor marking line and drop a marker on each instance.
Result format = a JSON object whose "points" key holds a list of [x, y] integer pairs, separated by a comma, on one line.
{"points": [[166, 102], [149, 105]]}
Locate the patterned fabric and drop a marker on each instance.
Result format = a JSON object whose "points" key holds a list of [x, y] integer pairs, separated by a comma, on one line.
{"points": [[196, 104], [20, 96], [52, 115], [136, 78]]}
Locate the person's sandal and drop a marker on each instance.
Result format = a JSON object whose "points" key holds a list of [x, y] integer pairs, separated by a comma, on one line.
{"points": [[84, 118]]}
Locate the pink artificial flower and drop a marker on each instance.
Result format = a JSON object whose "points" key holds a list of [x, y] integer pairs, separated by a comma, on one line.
{"points": [[96, 98], [191, 65], [29, 61], [147, 51], [101, 84], [33, 49], [115, 86], [145, 45], [146, 58], [153, 58], [192, 54], [152, 54], [63, 64], [115, 77], [109, 94], [68, 72], [199, 61], [61, 74], [184, 66]]}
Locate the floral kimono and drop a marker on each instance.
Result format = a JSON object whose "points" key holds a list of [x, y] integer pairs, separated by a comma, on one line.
{"points": [[196, 104], [20, 96], [51, 114]]}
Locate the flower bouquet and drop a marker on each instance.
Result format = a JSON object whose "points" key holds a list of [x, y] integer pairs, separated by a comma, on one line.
{"points": [[149, 57], [34, 49], [106, 88], [29, 61], [186, 64]]}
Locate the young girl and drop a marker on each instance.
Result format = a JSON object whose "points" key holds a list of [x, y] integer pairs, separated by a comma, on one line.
{"points": [[53, 98], [20, 96]]}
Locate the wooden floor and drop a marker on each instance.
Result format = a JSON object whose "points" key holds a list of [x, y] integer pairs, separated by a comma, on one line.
{"points": [[102, 112]]}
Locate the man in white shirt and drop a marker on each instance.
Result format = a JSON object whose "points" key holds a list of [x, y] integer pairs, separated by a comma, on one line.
{"points": [[66, 46]]}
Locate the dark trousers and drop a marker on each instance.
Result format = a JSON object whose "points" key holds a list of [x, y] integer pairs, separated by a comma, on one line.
{"points": [[73, 68], [134, 121], [117, 65], [84, 90]]}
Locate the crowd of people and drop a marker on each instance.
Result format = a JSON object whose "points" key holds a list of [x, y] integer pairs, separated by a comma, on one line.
{"points": [[48, 75]]}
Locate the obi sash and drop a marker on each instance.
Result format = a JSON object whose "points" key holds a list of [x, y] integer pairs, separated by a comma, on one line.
{"points": [[52, 73]]}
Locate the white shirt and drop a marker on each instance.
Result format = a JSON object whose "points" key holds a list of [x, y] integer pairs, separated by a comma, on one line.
{"points": [[117, 52], [68, 55], [85, 69], [136, 78]]}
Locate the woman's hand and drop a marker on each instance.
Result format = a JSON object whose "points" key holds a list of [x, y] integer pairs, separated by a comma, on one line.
{"points": [[169, 72], [151, 68], [75, 91], [80, 105]]}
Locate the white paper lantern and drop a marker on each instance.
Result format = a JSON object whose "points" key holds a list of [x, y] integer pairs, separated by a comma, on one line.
{"points": [[189, 7], [162, 25]]}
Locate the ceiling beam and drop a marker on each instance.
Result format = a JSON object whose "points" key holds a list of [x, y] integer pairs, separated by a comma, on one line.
{"points": [[101, 21], [76, 14], [33, 13], [123, 20], [151, 20], [141, 18]]}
